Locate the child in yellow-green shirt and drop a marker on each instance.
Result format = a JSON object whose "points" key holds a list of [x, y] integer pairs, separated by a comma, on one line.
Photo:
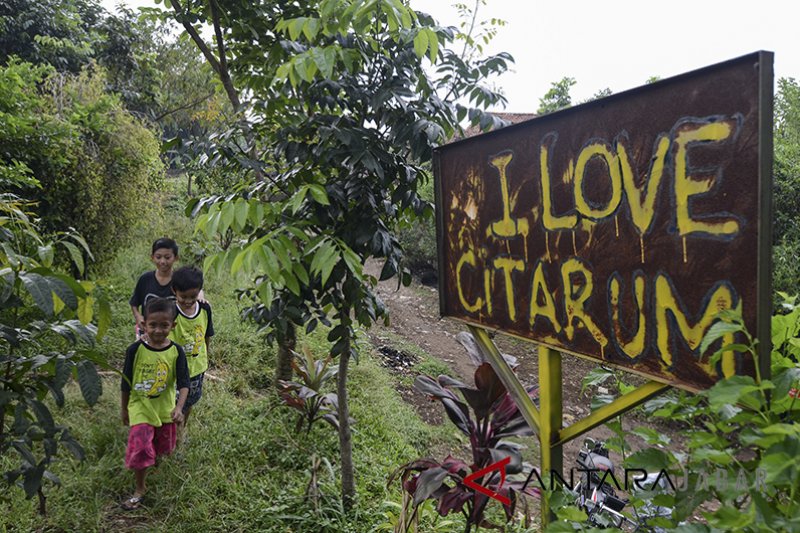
{"points": [[194, 328], [153, 369]]}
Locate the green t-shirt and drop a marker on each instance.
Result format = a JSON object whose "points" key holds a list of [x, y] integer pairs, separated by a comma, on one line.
{"points": [[191, 332], [154, 374]]}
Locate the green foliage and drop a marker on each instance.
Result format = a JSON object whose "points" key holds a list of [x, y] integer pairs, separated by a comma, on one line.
{"points": [[208, 482], [424, 518], [127, 51], [339, 185], [787, 159], [96, 164], [742, 441], [46, 337], [163, 78], [204, 156], [417, 236], [190, 101], [61, 33], [557, 97], [158, 77], [602, 93], [340, 93], [602, 376], [787, 186], [475, 32], [786, 271]]}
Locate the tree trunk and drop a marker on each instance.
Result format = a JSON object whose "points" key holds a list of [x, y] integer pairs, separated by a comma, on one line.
{"points": [[219, 65], [286, 345], [345, 438]]}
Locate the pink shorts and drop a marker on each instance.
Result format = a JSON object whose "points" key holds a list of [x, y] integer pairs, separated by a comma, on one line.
{"points": [[145, 442]]}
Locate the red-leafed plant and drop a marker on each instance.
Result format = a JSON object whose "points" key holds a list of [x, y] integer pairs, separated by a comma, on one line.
{"points": [[306, 394], [486, 414]]}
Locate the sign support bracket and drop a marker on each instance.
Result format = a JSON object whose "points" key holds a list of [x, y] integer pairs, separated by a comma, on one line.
{"points": [[546, 421]]}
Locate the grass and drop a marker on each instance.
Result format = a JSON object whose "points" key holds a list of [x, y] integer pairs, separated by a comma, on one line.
{"points": [[244, 467]]}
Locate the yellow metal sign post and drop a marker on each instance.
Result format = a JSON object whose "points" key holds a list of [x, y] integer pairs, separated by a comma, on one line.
{"points": [[547, 421]]}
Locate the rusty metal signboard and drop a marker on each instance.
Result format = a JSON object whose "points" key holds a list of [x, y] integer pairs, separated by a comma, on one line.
{"points": [[617, 230]]}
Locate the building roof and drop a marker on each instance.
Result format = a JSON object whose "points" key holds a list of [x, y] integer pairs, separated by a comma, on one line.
{"points": [[513, 118]]}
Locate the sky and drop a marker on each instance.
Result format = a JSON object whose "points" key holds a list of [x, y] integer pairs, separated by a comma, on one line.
{"points": [[619, 44]]}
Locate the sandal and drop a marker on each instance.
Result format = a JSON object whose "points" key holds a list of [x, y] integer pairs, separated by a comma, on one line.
{"points": [[132, 503]]}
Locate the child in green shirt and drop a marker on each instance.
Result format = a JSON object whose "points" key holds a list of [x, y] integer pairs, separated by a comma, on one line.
{"points": [[155, 283], [153, 369], [193, 331]]}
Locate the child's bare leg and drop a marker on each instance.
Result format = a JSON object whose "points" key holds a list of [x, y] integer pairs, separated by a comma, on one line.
{"points": [[141, 488], [135, 501]]}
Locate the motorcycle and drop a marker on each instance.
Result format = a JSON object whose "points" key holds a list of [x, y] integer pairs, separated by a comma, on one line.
{"points": [[597, 498]]}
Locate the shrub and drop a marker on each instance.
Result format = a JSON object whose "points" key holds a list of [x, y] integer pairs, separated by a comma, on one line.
{"points": [[45, 337], [486, 414], [306, 394], [740, 469], [786, 268], [418, 238], [95, 162]]}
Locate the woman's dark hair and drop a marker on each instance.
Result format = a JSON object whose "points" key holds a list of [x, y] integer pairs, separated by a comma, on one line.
{"points": [[160, 305], [187, 278], [165, 242]]}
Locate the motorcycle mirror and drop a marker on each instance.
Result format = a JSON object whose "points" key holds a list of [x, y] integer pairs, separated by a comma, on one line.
{"points": [[589, 443]]}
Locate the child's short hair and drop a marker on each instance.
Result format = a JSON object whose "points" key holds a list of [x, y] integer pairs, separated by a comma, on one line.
{"points": [[187, 278], [160, 305], [165, 242]]}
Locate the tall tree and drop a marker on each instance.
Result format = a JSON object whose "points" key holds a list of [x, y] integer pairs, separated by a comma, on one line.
{"points": [[127, 50], [161, 79], [346, 114], [188, 14], [557, 97], [61, 33], [237, 148]]}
